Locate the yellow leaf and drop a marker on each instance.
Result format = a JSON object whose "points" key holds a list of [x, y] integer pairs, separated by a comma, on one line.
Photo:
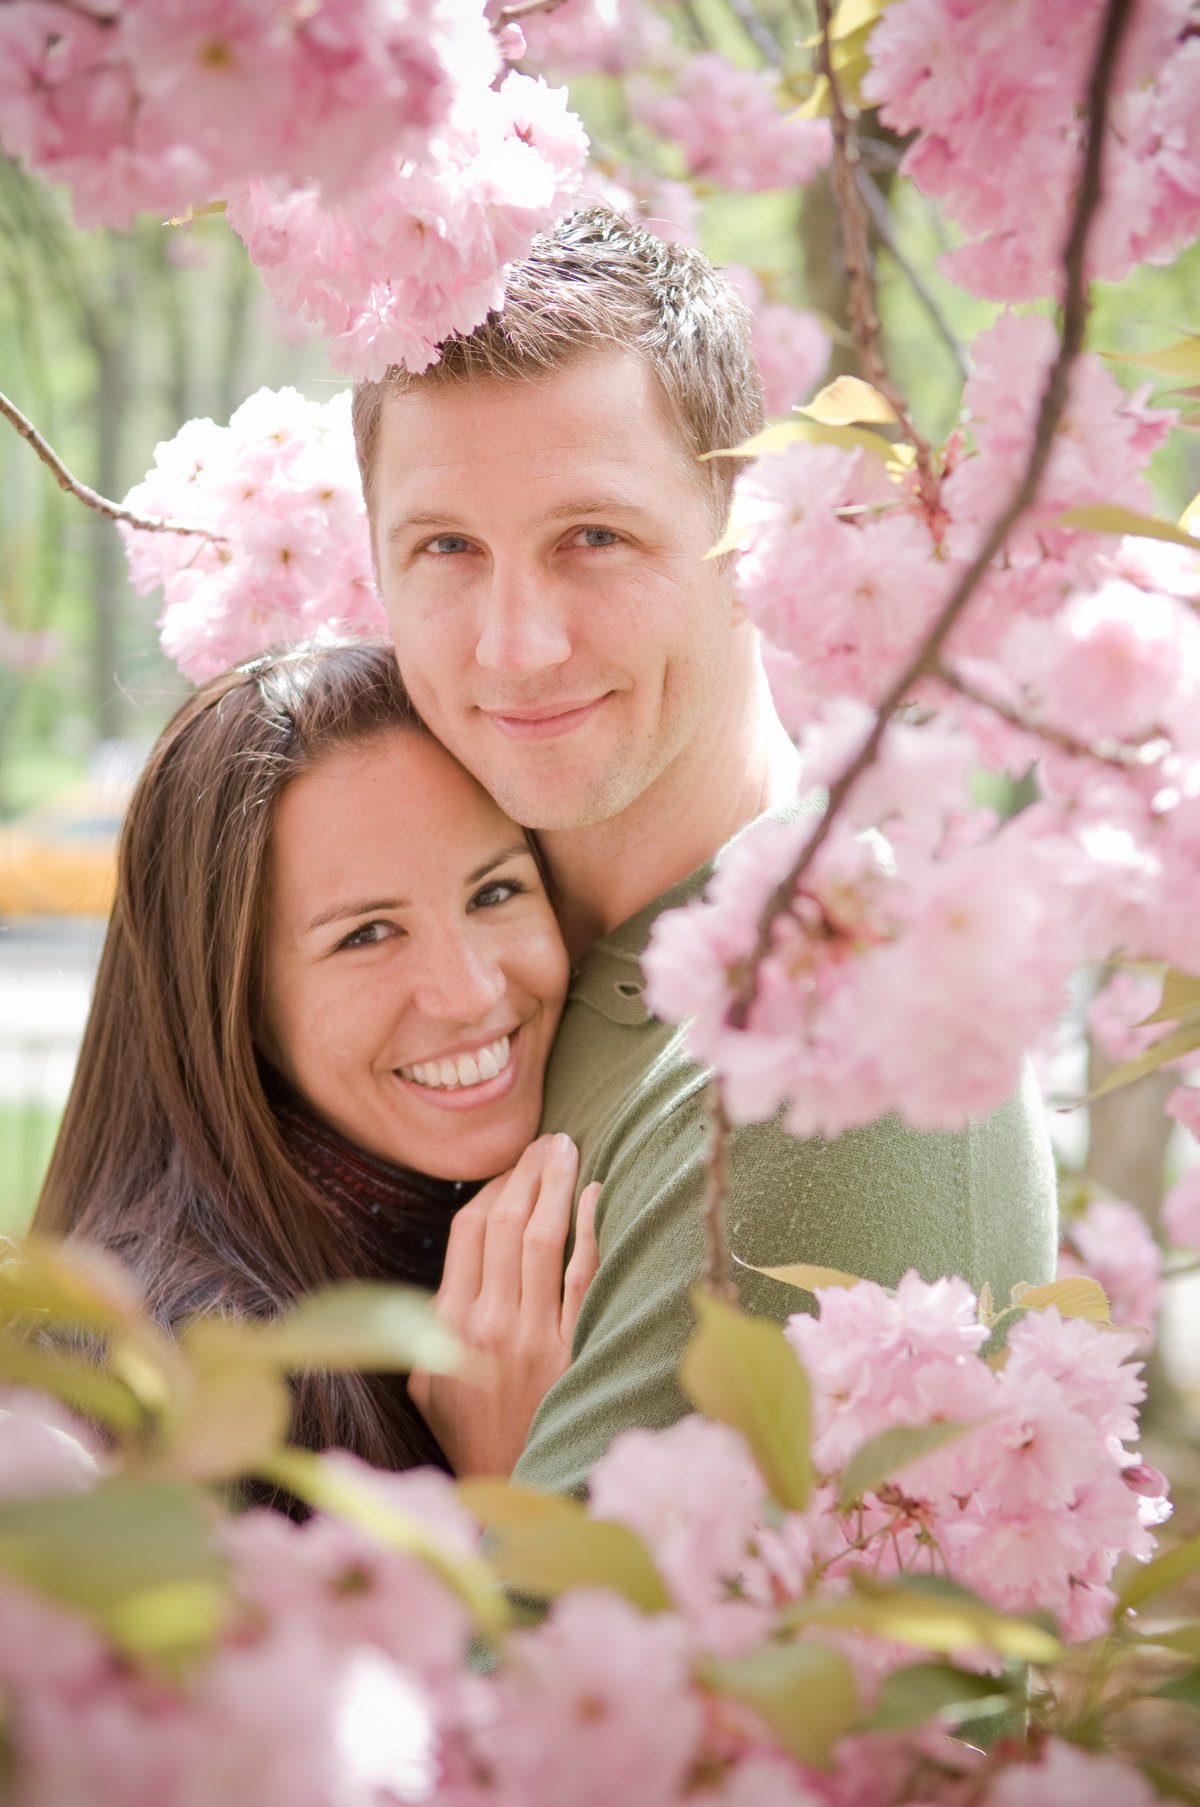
{"points": [[1108, 517], [508, 1506], [734, 539], [1152, 1578], [804, 1693], [78, 1285], [856, 15], [1078, 1297], [742, 1372], [356, 1325], [807, 1278], [783, 433], [1180, 359], [328, 1487], [930, 1614], [547, 1557], [1192, 509], [1180, 1041], [74, 1379], [1180, 999], [228, 1421], [168, 1619], [847, 400]]}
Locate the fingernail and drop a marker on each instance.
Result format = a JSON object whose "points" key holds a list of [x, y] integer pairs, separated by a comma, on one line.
{"points": [[563, 1143]]}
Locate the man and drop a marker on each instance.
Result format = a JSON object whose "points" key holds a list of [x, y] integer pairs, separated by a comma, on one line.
{"points": [[540, 521]]}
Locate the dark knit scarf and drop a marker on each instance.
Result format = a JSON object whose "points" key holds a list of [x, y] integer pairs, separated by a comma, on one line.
{"points": [[398, 1221]]}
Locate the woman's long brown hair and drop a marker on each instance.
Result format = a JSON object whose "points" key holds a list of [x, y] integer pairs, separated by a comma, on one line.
{"points": [[169, 1153]]}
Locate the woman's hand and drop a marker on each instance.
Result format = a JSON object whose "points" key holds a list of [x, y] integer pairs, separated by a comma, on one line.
{"points": [[503, 1292]]}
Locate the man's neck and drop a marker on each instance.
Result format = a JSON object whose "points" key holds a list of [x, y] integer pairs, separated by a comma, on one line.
{"points": [[739, 764]]}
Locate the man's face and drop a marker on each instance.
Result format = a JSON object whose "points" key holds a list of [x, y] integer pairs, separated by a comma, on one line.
{"points": [[541, 555]]}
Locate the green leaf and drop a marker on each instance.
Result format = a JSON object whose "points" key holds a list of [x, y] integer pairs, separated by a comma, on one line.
{"points": [[929, 1612], [1077, 1297], [1180, 1041], [804, 1693], [509, 1507], [783, 433], [366, 1325], [1185, 1689], [1184, 1639], [847, 400], [328, 1486], [229, 1420], [170, 1619], [806, 1277], [78, 1285], [1170, 1786], [880, 1456], [549, 1556], [1180, 1001], [75, 1379], [1107, 517], [1155, 1577], [742, 1372], [924, 1691], [1180, 359], [103, 1551]]}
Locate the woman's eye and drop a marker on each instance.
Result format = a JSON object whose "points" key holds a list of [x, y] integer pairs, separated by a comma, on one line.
{"points": [[497, 892], [368, 935]]}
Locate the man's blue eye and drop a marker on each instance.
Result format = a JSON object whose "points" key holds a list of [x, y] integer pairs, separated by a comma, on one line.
{"points": [[599, 536], [449, 543]]}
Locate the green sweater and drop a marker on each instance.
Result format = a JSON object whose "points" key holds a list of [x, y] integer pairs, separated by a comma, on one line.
{"points": [[876, 1201]]}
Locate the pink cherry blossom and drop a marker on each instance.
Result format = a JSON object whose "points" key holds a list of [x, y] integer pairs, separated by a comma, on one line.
{"points": [[280, 487], [730, 128], [610, 35], [1066, 1776], [1117, 1014], [1111, 1242]]}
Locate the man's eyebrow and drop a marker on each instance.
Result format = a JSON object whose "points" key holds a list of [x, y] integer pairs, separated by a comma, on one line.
{"points": [[587, 505], [342, 912], [500, 859]]}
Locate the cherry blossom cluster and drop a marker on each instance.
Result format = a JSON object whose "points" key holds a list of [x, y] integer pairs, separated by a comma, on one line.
{"points": [[927, 944], [995, 100], [407, 260], [162, 105], [614, 36], [342, 1675], [730, 127], [289, 557], [378, 179]]}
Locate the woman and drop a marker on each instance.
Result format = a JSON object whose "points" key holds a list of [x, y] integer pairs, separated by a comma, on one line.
{"points": [[330, 983]]}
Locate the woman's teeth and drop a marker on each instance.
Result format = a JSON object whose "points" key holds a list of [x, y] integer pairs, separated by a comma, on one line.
{"points": [[461, 1069]]}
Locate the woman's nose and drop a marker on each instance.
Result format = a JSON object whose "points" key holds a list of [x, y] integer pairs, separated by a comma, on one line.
{"points": [[462, 983]]}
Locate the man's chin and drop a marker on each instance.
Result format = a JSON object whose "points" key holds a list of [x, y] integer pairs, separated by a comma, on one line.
{"points": [[553, 804]]}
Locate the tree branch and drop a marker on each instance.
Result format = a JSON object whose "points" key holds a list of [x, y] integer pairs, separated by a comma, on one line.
{"points": [[864, 320], [881, 214], [1124, 758], [1075, 304], [89, 497]]}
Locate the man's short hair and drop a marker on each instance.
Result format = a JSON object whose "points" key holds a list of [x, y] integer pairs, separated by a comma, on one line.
{"points": [[597, 281]]}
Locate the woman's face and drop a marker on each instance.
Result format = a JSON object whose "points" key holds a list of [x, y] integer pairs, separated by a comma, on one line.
{"points": [[414, 972]]}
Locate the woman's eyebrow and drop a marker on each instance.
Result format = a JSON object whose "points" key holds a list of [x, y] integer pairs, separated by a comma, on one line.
{"points": [[499, 859], [341, 912]]}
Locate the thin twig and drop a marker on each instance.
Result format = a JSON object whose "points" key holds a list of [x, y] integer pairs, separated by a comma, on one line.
{"points": [[89, 497], [1054, 397], [716, 1248], [758, 31], [1122, 757], [864, 320], [881, 214]]}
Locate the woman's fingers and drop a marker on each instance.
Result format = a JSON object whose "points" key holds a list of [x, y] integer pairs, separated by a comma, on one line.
{"points": [[544, 1243], [462, 1272], [585, 1258], [499, 1292]]}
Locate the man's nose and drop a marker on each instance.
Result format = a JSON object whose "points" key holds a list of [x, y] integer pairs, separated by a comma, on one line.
{"points": [[462, 982], [521, 629]]}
